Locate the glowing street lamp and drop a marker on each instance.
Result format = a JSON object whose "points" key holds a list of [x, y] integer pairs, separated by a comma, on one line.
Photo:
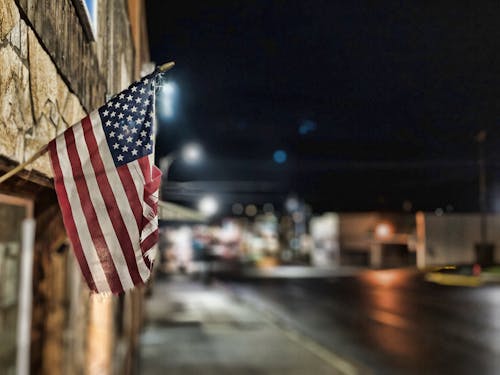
{"points": [[208, 205], [191, 153], [166, 101], [384, 230]]}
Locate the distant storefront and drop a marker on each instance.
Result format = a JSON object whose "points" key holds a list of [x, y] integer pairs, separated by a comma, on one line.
{"points": [[380, 240]]}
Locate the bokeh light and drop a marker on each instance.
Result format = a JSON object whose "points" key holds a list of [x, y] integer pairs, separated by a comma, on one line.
{"points": [[166, 102], [280, 156], [306, 127], [268, 208], [251, 210], [191, 152], [237, 208], [208, 205]]}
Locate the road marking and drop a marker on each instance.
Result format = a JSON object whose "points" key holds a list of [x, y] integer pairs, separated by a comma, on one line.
{"points": [[338, 363], [326, 355]]}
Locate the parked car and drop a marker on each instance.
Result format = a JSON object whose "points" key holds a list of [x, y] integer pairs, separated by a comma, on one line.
{"points": [[469, 275]]}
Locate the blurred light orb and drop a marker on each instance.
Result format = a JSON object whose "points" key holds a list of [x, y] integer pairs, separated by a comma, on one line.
{"points": [[237, 208], [268, 208], [307, 126], [292, 204], [168, 88], [251, 210], [208, 205], [167, 109], [166, 100], [439, 212], [280, 156], [191, 152], [384, 230]]}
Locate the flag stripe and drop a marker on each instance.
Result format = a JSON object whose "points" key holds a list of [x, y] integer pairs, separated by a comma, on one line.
{"points": [[130, 204], [82, 236], [132, 193], [149, 228], [91, 216], [146, 174], [133, 197], [136, 176], [145, 169], [149, 241], [147, 261], [149, 188], [68, 219], [148, 247], [150, 207], [112, 224]]}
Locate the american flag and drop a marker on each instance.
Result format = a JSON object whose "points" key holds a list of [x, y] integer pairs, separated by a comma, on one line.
{"points": [[107, 187]]}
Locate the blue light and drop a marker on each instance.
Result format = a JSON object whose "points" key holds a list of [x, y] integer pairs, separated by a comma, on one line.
{"points": [[307, 126], [279, 156]]}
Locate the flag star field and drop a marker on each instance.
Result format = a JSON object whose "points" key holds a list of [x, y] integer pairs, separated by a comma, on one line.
{"points": [[127, 120]]}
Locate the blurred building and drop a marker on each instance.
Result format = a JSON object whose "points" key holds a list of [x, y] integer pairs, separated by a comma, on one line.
{"points": [[60, 60], [453, 237], [365, 239], [324, 231], [386, 240], [381, 240]]}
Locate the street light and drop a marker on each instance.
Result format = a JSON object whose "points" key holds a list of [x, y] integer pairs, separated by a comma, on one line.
{"points": [[208, 205], [383, 231], [191, 153], [167, 97]]}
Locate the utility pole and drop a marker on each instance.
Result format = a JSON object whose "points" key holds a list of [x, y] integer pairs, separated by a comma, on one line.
{"points": [[484, 250], [481, 138]]}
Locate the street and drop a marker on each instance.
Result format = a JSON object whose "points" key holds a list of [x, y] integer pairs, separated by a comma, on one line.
{"points": [[390, 321], [249, 187], [374, 322]]}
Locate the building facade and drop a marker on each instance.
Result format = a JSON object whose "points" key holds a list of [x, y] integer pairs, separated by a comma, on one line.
{"points": [[60, 60]]}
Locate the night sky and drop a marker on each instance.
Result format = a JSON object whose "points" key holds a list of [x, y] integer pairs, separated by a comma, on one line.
{"points": [[374, 102]]}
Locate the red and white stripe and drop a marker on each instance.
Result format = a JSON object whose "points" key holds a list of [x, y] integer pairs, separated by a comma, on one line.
{"points": [[110, 213]]}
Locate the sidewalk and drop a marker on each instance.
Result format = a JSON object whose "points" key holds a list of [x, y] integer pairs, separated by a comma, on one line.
{"points": [[195, 329]]}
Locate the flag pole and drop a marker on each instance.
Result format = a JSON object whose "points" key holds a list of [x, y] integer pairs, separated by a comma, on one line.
{"points": [[163, 68], [21, 166], [167, 66]]}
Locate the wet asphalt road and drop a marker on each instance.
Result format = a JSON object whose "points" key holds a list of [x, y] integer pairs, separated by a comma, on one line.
{"points": [[391, 321]]}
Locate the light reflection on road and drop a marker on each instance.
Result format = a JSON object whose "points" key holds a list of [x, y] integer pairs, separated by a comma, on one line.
{"points": [[395, 322]]}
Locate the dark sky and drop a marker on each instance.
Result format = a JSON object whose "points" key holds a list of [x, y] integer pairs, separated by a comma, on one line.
{"points": [[375, 102]]}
